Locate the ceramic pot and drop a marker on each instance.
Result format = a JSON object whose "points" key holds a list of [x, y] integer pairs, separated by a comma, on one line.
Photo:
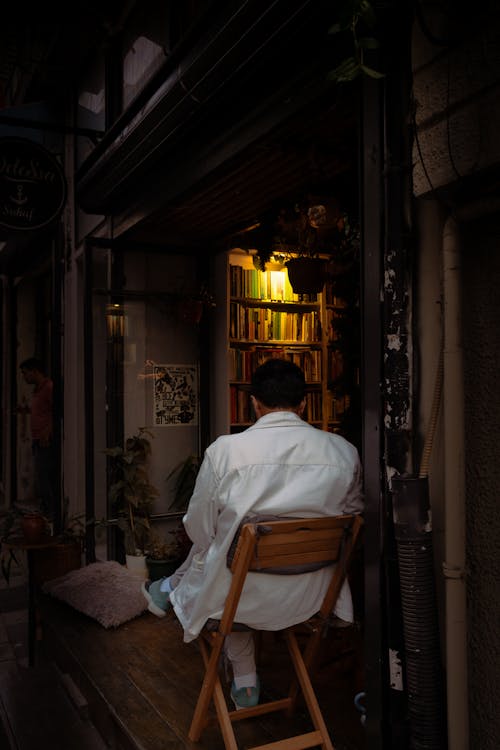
{"points": [[136, 564], [306, 275], [161, 568], [58, 560], [33, 527]]}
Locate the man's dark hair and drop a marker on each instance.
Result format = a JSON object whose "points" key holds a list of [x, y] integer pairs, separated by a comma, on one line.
{"points": [[278, 382], [32, 363]]}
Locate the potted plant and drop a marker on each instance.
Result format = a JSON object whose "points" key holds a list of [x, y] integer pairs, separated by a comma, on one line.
{"points": [[57, 560], [164, 555], [24, 522], [133, 495], [307, 270], [294, 236]]}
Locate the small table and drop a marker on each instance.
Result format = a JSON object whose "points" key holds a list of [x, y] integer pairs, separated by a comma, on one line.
{"points": [[20, 543]]}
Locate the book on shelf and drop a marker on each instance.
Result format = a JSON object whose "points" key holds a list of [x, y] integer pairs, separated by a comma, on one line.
{"points": [[265, 324], [242, 362], [332, 299], [241, 406], [273, 286], [267, 319], [242, 411]]}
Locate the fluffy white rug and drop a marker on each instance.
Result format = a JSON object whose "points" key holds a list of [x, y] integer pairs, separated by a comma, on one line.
{"points": [[105, 591]]}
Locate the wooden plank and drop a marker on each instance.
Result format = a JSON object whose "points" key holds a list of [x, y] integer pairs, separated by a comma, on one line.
{"points": [[142, 681], [36, 706], [79, 701], [146, 699]]}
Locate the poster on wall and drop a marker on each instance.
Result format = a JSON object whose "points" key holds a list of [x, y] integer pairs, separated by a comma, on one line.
{"points": [[175, 398]]}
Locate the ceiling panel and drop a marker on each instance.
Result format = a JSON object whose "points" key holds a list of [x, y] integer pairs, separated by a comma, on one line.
{"points": [[308, 155]]}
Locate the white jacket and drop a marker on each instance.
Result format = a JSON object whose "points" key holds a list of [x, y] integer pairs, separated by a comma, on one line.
{"points": [[280, 466]]}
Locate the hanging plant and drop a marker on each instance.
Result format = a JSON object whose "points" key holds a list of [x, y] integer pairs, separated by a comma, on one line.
{"points": [[307, 269], [300, 237], [357, 19], [306, 275]]}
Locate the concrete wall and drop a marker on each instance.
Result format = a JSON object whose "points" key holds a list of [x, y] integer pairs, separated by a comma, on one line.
{"points": [[456, 157], [481, 284], [456, 93]]}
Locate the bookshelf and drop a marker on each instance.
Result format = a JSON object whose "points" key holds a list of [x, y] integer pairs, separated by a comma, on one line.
{"points": [[266, 319]]}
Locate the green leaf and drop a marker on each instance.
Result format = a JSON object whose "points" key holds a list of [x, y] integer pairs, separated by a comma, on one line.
{"points": [[367, 13], [336, 28], [7, 564], [368, 42], [116, 451], [346, 66], [346, 71], [371, 72], [185, 474]]}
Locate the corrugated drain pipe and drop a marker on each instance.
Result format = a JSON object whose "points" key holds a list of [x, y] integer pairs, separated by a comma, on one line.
{"points": [[413, 530], [423, 667]]}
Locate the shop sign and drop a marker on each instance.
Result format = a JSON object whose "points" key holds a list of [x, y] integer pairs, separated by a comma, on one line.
{"points": [[32, 185]]}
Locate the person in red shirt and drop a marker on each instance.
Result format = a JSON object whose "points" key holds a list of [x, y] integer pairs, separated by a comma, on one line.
{"points": [[41, 410]]}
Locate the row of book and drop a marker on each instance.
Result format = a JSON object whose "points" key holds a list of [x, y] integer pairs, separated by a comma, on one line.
{"points": [[274, 286], [263, 324], [335, 365], [242, 411], [336, 407], [116, 325], [333, 299], [242, 362], [333, 322], [241, 406], [254, 284]]}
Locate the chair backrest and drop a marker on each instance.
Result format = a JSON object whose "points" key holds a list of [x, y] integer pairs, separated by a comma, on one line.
{"points": [[289, 546]]}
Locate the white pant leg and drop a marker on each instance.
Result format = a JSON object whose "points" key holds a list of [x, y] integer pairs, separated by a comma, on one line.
{"points": [[239, 646], [240, 650]]}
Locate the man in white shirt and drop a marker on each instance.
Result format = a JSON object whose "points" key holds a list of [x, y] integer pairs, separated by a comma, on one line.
{"points": [[279, 466]]}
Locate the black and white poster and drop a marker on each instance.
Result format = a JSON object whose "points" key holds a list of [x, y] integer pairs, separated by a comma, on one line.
{"points": [[175, 395]]}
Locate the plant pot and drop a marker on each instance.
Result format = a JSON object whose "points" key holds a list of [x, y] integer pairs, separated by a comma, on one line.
{"points": [[136, 564], [34, 528], [306, 275], [56, 561], [161, 568]]}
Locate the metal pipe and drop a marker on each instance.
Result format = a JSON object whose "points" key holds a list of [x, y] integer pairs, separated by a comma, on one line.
{"points": [[454, 479]]}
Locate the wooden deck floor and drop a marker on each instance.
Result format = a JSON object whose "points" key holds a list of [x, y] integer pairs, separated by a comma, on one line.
{"points": [[141, 682], [36, 710]]}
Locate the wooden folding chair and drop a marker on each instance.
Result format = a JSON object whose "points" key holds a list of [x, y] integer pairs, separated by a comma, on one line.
{"points": [[291, 545]]}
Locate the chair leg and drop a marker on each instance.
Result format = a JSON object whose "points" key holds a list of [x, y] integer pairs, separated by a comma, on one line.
{"points": [[225, 724], [309, 657], [307, 689], [211, 663], [212, 689]]}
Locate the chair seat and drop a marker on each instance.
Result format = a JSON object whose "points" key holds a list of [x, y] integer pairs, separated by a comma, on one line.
{"points": [[212, 625]]}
